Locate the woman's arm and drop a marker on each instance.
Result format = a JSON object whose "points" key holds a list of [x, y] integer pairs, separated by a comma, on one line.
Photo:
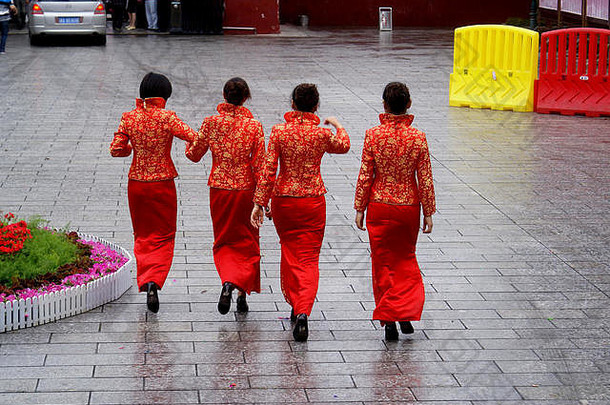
{"points": [[201, 144], [258, 153], [360, 220], [425, 184], [366, 175], [269, 172], [120, 146], [339, 142], [179, 129]]}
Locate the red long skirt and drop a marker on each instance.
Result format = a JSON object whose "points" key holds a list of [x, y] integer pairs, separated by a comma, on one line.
{"points": [[236, 242], [397, 282], [300, 223], [153, 208]]}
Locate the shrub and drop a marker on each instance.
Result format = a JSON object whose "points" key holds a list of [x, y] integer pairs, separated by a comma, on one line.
{"points": [[44, 252]]}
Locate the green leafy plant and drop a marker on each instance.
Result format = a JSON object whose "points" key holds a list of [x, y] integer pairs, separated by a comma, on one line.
{"points": [[45, 252]]}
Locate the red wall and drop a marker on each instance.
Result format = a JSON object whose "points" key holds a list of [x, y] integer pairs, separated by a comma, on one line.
{"points": [[261, 14], [406, 13]]}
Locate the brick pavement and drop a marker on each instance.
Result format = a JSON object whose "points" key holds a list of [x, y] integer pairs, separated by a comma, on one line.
{"points": [[516, 270]]}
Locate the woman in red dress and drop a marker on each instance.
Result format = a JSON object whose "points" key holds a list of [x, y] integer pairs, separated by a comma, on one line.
{"points": [[395, 180], [149, 131], [237, 143], [298, 204]]}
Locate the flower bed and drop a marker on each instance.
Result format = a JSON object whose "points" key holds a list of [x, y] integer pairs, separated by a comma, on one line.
{"points": [[106, 279]]}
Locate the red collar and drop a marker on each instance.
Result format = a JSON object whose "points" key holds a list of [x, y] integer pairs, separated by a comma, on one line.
{"points": [[153, 102], [238, 110], [388, 118], [302, 117]]}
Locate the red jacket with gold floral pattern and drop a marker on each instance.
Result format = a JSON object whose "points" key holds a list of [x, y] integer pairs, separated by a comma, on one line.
{"points": [[237, 142], [149, 130], [394, 154], [299, 145]]}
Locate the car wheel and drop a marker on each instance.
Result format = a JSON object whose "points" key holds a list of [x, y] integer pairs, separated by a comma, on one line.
{"points": [[35, 40], [100, 40]]}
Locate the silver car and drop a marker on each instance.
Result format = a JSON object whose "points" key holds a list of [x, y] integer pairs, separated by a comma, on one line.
{"points": [[67, 17]]}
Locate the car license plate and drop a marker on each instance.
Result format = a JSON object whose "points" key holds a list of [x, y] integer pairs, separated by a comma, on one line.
{"points": [[68, 20]]}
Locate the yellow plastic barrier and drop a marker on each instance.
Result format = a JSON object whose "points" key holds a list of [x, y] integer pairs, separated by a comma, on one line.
{"points": [[494, 66]]}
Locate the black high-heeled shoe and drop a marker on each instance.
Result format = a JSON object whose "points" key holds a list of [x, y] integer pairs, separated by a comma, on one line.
{"points": [[224, 302], [391, 333], [152, 299], [293, 317], [406, 327], [300, 331], [242, 304]]}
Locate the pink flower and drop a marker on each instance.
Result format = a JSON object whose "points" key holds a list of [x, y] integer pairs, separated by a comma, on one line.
{"points": [[105, 261]]}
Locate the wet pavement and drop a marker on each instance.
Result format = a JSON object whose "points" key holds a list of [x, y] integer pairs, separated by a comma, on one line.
{"points": [[516, 270]]}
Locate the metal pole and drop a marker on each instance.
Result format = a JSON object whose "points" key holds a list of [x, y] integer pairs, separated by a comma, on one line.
{"points": [[584, 13], [559, 13], [534, 15]]}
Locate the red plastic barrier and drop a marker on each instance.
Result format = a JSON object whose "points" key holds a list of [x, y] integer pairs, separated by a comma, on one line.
{"points": [[574, 72]]}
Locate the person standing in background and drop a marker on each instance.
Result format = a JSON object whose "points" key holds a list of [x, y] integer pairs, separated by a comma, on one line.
{"points": [[163, 13], [131, 11], [141, 21], [6, 8], [21, 12], [118, 14], [151, 15]]}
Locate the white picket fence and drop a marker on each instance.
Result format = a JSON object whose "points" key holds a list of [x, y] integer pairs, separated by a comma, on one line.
{"points": [[51, 307]]}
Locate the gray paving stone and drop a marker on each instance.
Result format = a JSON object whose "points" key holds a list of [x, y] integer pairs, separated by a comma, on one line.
{"points": [[548, 366], [348, 368], [294, 357], [359, 394], [151, 347], [577, 392], [517, 289], [499, 344], [464, 393], [405, 381], [25, 337], [88, 384], [554, 354], [285, 395], [22, 385], [246, 369], [301, 381], [55, 398], [507, 380], [93, 359], [22, 360], [540, 402], [193, 358], [364, 345], [472, 334], [144, 397], [488, 354], [145, 370], [45, 371], [556, 333], [196, 383]]}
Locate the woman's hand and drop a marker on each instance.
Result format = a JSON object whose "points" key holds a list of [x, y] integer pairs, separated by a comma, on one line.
{"points": [[256, 218], [427, 228], [333, 121], [360, 220], [268, 213]]}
